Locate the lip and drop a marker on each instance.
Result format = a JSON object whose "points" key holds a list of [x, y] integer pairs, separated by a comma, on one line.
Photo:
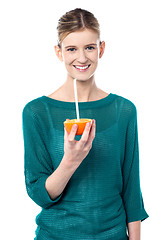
{"points": [[82, 70]]}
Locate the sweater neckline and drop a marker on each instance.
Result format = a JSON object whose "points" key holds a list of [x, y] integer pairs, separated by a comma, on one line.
{"points": [[89, 104]]}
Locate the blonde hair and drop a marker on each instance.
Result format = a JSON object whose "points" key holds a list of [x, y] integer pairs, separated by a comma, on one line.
{"points": [[76, 20]]}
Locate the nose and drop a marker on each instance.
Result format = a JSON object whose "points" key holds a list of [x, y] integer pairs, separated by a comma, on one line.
{"points": [[81, 56]]}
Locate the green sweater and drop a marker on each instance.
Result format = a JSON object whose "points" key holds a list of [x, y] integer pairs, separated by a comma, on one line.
{"points": [[104, 193]]}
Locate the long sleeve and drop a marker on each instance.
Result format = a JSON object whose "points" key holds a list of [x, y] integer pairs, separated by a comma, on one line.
{"points": [[132, 196], [37, 161]]}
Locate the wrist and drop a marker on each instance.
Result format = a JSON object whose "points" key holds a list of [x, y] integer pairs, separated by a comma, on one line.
{"points": [[68, 163]]}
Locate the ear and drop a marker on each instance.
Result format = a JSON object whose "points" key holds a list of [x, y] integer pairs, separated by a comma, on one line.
{"points": [[102, 48], [58, 52]]}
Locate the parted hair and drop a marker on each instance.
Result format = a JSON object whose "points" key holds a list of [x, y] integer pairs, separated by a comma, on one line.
{"points": [[76, 20]]}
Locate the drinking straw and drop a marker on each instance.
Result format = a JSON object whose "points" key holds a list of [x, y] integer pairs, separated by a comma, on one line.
{"points": [[76, 99]]}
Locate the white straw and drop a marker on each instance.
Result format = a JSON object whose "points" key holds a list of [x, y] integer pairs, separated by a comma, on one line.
{"points": [[76, 99]]}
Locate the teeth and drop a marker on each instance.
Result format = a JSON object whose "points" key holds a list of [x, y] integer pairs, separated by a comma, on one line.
{"points": [[82, 67]]}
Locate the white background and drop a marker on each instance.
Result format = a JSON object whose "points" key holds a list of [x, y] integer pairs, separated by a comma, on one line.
{"points": [[130, 67]]}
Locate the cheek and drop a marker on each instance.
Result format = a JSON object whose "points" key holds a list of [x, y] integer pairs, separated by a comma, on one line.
{"points": [[94, 57], [68, 58]]}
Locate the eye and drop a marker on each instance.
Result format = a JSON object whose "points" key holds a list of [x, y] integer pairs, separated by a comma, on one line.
{"points": [[71, 49], [90, 48]]}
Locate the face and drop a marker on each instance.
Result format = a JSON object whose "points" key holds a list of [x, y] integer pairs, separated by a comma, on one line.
{"points": [[80, 52]]}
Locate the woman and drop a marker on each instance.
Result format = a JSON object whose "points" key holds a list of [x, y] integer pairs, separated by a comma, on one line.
{"points": [[88, 186]]}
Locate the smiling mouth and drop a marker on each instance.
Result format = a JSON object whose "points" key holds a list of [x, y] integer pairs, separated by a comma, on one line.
{"points": [[82, 68]]}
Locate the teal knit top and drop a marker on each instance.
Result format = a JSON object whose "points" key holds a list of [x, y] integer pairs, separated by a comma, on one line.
{"points": [[103, 195]]}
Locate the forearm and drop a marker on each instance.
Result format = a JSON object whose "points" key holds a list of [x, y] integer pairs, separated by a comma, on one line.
{"points": [[58, 180], [134, 230]]}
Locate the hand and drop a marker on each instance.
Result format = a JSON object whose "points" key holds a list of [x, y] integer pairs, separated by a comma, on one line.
{"points": [[76, 151]]}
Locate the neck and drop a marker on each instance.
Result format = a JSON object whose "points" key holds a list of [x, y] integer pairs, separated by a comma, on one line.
{"points": [[86, 89]]}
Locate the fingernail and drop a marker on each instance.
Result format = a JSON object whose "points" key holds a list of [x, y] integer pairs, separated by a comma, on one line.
{"points": [[88, 124]]}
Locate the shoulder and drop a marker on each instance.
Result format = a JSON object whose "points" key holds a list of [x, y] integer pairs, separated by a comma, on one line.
{"points": [[126, 106], [33, 107]]}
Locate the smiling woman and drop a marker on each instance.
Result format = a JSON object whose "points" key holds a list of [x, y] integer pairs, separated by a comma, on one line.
{"points": [[80, 48], [80, 52], [88, 189]]}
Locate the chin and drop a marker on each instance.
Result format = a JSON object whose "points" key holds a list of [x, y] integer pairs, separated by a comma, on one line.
{"points": [[83, 78]]}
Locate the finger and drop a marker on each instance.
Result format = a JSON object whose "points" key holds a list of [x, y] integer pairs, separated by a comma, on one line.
{"points": [[93, 129], [85, 134], [73, 132], [92, 132], [66, 134]]}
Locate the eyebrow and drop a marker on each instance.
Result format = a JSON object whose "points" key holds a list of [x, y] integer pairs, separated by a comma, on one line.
{"points": [[93, 44]]}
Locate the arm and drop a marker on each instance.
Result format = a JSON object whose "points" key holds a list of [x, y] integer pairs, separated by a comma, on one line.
{"points": [[134, 230], [58, 180], [37, 161], [132, 195]]}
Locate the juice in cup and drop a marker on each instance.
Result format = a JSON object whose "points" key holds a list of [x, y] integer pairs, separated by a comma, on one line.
{"points": [[80, 122]]}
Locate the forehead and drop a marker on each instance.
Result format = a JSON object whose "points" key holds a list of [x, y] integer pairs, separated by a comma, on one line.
{"points": [[82, 37]]}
